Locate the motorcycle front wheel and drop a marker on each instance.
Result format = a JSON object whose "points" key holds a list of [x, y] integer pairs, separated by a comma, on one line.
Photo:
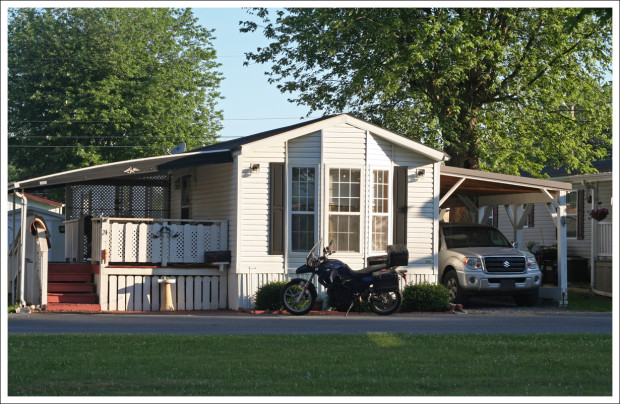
{"points": [[297, 301], [385, 303]]}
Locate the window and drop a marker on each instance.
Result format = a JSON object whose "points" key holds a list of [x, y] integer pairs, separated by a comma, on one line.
{"points": [[380, 209], [186, 192], [571, 215], [344, 208], [303, 196]]}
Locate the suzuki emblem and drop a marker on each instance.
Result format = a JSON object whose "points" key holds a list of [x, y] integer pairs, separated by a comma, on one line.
{"points": [[506, 264]]}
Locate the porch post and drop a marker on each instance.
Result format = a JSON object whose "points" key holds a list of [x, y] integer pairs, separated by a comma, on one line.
{"points": [[593, 235]]}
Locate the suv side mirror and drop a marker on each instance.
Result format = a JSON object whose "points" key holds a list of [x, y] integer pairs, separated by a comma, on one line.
{"points": [[515, 244]]}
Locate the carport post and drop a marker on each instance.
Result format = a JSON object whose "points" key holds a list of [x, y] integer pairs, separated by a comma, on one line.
{"points": [[562, 253]]}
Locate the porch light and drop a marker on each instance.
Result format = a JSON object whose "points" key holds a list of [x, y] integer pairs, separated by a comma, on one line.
{"points": [[254, 168]]}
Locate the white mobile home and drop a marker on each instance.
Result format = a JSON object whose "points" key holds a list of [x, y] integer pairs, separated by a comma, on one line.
{"points": [[225, 218]]}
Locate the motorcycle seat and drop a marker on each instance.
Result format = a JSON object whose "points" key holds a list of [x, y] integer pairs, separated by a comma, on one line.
{"points": [[367, 271]]}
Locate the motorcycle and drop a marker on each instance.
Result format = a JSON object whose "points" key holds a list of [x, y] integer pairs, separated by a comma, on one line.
{"points": [[378, 284]]}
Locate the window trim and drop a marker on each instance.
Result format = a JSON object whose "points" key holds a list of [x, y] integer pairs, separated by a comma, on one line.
{"points": [[290, 212]]}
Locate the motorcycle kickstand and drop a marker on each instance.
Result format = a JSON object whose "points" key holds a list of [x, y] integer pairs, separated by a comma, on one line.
{"points": [[349, 309]]}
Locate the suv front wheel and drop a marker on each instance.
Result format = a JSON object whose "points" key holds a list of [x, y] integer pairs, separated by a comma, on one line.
{"points": [[454, 288]]}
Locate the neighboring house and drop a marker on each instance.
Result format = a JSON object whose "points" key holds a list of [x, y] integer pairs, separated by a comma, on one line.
{"points": [[226, 218], [589, 241], [50, 211]]}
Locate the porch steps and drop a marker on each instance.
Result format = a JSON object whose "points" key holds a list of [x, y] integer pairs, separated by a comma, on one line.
{"points": [[71, 284]]}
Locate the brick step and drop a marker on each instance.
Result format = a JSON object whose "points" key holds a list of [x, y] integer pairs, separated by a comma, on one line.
{"points": [[69, 277], [72, 268], [72, 307], [71, 298], [69, 287]]}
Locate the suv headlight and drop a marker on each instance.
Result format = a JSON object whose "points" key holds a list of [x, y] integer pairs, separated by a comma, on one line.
{"points": [[472, 263], [531, 264]]}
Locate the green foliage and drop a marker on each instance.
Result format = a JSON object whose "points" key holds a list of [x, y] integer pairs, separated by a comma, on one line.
{"points": [[500, 89], [267, 297], [96, 85], [425, 297]]}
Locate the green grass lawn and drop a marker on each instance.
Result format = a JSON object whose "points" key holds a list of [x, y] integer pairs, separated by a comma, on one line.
{"points": [[588, 301], [310, 365]]}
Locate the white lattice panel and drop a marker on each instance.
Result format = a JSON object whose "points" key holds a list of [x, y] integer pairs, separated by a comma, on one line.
{"points": [[605, 239], [181, 243]]}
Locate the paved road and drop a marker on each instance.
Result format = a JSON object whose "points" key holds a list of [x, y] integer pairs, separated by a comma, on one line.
{"points": [[481, 322]]}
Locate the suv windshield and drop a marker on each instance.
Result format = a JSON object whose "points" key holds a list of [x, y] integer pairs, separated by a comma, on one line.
{"points": [[465, 236]]}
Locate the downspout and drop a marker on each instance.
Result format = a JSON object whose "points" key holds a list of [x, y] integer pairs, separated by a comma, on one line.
{"points": [[22, 256]]}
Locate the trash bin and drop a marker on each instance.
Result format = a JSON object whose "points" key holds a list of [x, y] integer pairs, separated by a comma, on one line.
{"points": [[577, 270]]}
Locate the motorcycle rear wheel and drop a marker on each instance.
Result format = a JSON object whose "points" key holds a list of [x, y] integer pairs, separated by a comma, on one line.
{"points": [[295, 300], [385, 303]]}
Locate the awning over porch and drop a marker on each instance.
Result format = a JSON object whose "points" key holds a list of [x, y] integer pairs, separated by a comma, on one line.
{"points": [[126, 169]]}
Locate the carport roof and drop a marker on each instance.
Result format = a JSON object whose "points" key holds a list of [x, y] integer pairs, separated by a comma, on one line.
{"points": [[481, 183]]}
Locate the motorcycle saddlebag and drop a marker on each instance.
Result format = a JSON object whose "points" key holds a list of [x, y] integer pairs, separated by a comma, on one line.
{"points": [[385, 281], [398, 255]]}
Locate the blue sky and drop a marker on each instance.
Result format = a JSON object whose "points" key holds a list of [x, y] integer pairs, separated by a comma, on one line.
{"points": [[251, 104]]}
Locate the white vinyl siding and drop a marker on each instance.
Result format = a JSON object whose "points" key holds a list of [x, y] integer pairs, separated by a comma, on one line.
{"points": [[253, 254], [422, 212]]}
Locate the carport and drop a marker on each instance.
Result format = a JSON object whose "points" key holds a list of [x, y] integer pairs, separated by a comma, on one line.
{"points": [[480, 192]]}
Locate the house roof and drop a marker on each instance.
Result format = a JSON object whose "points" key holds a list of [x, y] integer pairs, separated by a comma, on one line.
{"points": [[604, 168], [303, 128], [124, 169], [238, 142], [218, 153]]}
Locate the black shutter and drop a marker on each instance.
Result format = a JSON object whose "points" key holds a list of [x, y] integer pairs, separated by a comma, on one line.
{"points": [[580, 202], [530, 219], [276, 208], [495, 216], [400, 205]]}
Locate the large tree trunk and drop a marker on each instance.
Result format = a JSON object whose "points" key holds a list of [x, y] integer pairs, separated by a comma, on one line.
{"points": [[460, 214]]}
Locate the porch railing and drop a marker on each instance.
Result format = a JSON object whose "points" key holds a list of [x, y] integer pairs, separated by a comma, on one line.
{"points": [[605, 239], [162, 242]]}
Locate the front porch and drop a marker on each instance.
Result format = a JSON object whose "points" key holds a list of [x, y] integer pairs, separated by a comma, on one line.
{"points": [[131, 255]]}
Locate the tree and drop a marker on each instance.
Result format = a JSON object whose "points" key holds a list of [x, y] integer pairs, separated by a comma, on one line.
{"points": [[93, 85], [497, 89]]}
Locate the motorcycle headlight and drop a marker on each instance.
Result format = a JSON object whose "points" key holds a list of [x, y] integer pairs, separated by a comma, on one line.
{"points": [[472, 263]]}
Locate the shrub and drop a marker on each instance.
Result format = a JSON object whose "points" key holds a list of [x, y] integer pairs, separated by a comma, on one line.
{"points": [[267, 297], [425, 297]]}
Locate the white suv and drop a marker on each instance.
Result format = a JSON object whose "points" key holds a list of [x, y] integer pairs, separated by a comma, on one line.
{"points": [[478, 259]]}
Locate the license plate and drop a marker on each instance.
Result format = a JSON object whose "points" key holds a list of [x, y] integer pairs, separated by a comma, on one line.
{"points": [[507, 284]]}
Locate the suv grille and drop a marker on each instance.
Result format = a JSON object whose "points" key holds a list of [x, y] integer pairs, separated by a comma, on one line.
{"points": [[504, 264]]}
